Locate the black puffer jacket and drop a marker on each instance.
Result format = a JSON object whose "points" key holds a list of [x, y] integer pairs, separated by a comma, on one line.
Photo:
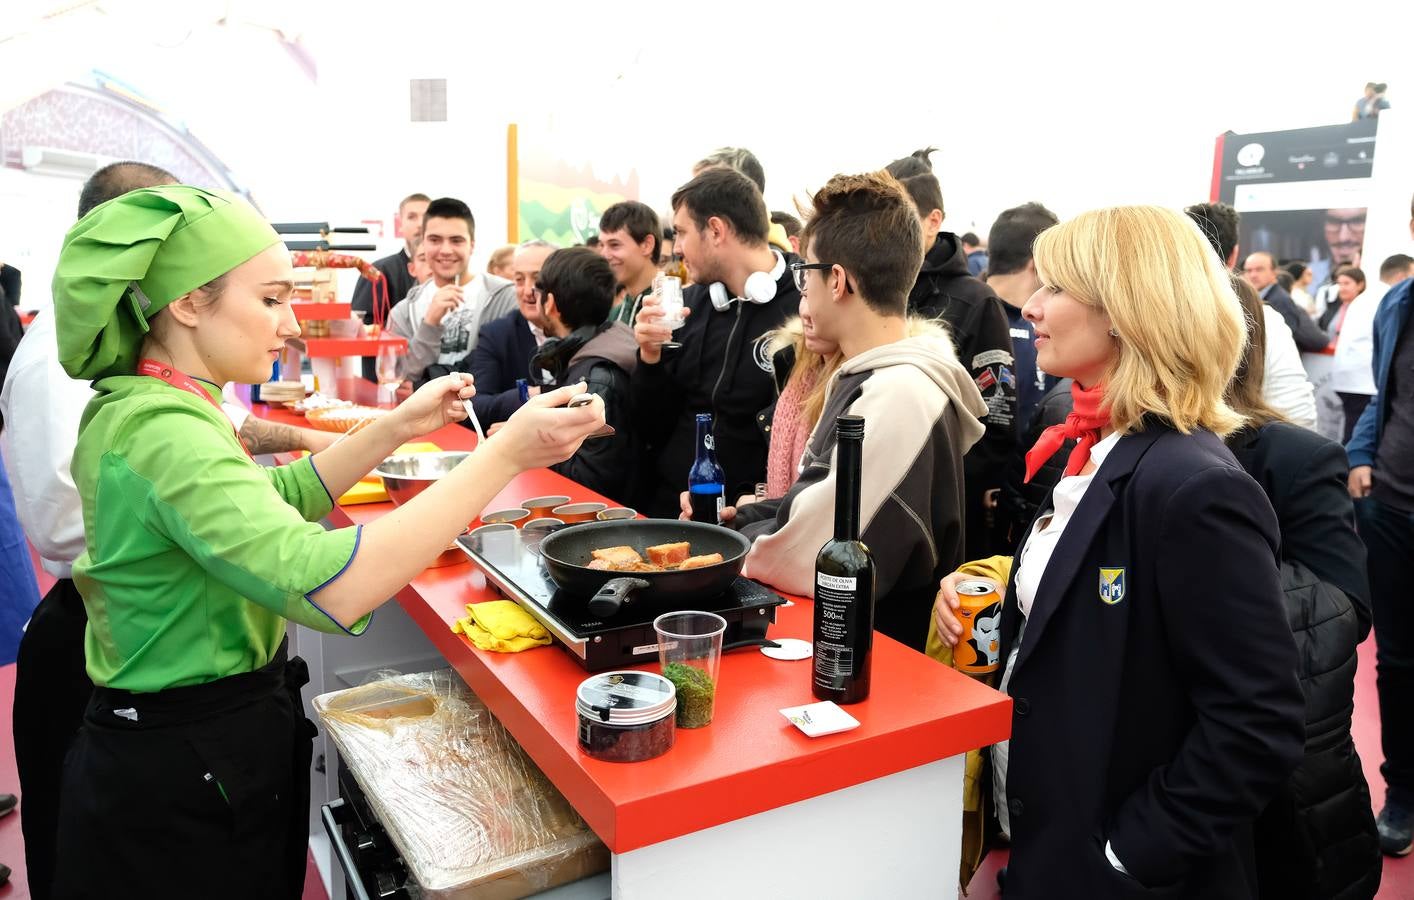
{"points": [[1317, 839], [946, 290]]}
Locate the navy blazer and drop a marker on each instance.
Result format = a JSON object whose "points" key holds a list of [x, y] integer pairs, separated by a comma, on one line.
{"points": [[1155, 698], [501, 355]]}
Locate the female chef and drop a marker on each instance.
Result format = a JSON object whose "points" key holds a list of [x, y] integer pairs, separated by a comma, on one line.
{"points": [[190, 774]]}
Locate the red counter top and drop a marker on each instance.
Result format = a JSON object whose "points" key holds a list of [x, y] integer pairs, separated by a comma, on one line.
{"points": [[749, 760]]}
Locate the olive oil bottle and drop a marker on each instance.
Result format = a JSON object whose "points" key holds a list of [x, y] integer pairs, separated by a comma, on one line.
{"points": [[844, 584]]}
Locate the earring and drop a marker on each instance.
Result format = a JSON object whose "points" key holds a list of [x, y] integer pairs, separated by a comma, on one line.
{"points": [[1114, 333]]}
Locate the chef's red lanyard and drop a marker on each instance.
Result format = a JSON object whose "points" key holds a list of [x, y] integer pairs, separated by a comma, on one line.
{"points": [[184, 382]]}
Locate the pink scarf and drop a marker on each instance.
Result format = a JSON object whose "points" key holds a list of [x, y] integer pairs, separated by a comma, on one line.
{"points": [[789, 436]]}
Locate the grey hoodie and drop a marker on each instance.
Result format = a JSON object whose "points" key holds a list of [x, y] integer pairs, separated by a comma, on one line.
{"points": [[922, 412]]}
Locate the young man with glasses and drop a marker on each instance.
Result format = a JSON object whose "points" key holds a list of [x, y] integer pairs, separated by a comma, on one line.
{"points": [[741, 291], [922, 410]]}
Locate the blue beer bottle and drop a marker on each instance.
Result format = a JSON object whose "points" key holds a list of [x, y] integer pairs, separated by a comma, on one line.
{"points": [[705, 480]]}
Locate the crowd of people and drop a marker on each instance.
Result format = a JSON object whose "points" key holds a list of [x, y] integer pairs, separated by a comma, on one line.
{"points": [[1121, 419]]}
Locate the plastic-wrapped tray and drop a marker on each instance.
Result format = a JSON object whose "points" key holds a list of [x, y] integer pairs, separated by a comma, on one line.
{"points": [[470, 814]]}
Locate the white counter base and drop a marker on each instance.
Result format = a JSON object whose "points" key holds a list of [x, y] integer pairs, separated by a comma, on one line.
{"points": [[897, 837]]}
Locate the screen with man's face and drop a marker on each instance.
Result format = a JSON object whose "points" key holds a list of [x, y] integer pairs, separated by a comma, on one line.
{"points": [[1324, 239]]}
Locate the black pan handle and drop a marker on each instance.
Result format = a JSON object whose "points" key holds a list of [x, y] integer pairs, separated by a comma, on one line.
{"points": [[607, 600], [750, 642]]}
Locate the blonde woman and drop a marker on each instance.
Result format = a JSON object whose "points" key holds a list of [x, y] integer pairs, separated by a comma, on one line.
{"points": [[1156, 707]]}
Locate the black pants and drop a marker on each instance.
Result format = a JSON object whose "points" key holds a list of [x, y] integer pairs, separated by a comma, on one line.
{"points": [[198, 791], [1353, 405], [1389, 537], [51, 692]]}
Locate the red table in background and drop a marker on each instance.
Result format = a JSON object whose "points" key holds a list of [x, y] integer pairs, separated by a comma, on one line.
{"points": [[749, 785]]}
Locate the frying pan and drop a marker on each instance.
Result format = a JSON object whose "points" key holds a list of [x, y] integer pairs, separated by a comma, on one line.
{"points": [[567, 553]]}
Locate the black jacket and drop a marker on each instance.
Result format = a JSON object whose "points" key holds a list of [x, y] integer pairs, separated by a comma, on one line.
{"points": [[978, 322], [604, 360], [10, 283], [1316, 840], [1155, 698], [395, 270], [399, 280], [1309, 336], [724, 368], [11, 331], [501, 355], [1021, 499]]}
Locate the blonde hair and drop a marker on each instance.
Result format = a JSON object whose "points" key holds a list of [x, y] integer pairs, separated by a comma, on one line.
{"points": [[807, 363], [1180, 329]]}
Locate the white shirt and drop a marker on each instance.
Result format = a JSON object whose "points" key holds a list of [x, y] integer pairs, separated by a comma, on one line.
{"points": [[42, 406], [1285, 386], [1353, 371], [1047, 530]]}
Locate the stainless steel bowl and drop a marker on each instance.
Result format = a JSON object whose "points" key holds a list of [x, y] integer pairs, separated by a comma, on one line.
{"points": [[404, 477]]}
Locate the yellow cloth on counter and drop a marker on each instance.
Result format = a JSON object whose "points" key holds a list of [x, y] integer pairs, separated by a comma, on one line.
{"points": [[501, 626]]}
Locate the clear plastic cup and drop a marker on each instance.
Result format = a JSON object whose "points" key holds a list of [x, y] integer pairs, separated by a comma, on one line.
{"points": [[690, 651]]}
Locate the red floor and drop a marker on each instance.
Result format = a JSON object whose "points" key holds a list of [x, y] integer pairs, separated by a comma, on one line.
{"points": [[1398, 881]]}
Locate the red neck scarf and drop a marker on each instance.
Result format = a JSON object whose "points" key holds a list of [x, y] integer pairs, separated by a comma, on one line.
{"points": [[1082, 425]]}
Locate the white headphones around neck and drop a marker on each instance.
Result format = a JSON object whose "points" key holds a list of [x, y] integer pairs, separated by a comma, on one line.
{"points": [[760, 288]]}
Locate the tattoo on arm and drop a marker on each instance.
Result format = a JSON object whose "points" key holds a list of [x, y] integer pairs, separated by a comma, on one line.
{"points": [[261, 436]]}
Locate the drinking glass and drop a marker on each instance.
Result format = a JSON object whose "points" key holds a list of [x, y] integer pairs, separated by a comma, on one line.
{"points": [[386, 367], [669, 291]]}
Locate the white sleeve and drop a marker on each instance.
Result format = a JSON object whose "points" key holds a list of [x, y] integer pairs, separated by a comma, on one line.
{"points": [[42, 407], [1284, 383]]}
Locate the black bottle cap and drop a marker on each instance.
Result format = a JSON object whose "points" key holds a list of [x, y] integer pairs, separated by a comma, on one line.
{"points": [[850, 427]]}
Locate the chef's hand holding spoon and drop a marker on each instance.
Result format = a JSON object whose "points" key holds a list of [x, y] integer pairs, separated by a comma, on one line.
{"points": [[546, 430]]}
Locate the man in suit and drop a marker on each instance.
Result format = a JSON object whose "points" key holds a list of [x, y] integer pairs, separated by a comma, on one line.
{"points": [[505, 346], [1260, 270]]}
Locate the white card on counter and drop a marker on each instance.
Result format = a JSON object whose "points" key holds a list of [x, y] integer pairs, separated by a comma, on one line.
{"points": [[819, 719], [789, 649]]}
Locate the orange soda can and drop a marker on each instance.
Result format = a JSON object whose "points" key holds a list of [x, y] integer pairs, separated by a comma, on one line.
{"points": [[978, 651]]}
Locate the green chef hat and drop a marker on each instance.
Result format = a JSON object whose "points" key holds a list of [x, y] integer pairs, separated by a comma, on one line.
{"points": [[131, 256]]}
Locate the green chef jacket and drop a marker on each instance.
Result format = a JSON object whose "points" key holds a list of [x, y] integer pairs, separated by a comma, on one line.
{"points": [[195, 554]]}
